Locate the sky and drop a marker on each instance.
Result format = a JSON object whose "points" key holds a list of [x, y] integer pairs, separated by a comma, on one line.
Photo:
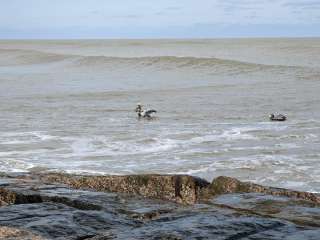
{"points": [[45, 19]]}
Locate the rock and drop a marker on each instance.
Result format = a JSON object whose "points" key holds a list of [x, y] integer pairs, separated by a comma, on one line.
{"points": [[17, 234], [6, 197], [177, 188], [224, 185], [104, 236], [67, 207]]}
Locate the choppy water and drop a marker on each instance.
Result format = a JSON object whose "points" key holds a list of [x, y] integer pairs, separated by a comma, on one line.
{"points": [[69, 106]]}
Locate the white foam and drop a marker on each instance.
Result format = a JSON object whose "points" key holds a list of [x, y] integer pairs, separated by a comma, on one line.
{"points": [[282, 171], [162, 152], [15, 138], [237, 134], [200, 170], [82, 146], [26, 152], [14, 166], [293, 184], [228, 135], [95, 146], [300, 136]]}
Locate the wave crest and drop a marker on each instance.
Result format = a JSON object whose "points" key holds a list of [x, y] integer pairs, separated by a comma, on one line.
{"points": [[22, 57]]}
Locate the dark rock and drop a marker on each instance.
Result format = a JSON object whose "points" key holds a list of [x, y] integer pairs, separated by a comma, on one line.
{"points": [[57, 206], [104, 236]]}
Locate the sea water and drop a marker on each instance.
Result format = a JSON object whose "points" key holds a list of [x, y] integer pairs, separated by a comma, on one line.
{"points": [[69, 106]]}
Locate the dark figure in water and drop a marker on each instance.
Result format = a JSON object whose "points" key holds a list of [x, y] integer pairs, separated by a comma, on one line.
{"points": [[278, 117], [144, 113]]}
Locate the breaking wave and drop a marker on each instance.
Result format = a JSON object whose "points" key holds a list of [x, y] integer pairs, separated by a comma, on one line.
{"points": [[10, 57]]}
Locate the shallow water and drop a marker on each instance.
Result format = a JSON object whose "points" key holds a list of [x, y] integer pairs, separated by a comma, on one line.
{"points": [[69, 106]]}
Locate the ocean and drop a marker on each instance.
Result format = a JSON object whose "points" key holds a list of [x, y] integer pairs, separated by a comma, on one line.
{"points": [[68, 105]]}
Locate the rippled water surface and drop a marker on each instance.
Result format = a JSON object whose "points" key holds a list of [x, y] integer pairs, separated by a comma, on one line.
{"points": [[69, 106]]}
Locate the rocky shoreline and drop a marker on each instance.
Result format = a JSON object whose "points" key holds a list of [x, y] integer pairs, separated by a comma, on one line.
{"points": [[62, 206]]}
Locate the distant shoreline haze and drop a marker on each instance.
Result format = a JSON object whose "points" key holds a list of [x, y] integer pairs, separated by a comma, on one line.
{"points": [[197, 32]]}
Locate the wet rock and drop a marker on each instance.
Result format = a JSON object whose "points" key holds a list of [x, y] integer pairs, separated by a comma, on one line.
{"points": [[66, 207], [17, 234], [6, 197], [167, 237], [280, 207], [225, 185], [177, 188], [103, 236], [150, 215]]}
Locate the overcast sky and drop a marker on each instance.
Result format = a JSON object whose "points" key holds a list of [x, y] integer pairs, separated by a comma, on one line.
{"points": [[158, 19]]}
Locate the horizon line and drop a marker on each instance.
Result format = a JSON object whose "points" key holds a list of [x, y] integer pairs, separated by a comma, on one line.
{"points": [[166, 38]]}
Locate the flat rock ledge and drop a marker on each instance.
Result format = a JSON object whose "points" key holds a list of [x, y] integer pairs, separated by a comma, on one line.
{"points": [[183, 189], [77, 207]]}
